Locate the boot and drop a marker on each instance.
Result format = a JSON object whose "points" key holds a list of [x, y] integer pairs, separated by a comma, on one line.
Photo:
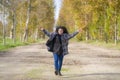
{"points": [[59, 73], [56, 72]]}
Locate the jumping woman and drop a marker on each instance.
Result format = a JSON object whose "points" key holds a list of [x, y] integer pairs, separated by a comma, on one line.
{"points": [[60, 47]]}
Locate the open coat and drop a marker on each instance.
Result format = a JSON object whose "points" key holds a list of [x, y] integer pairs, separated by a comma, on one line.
{"points": [[64, 39]]}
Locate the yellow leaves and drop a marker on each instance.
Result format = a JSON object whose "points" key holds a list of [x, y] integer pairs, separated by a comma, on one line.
{"points": [[79, 22], [95, 17], [113, 2], [87, 9]]}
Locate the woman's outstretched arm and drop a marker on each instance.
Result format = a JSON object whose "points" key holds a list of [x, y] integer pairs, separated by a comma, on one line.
{"points": [[69, 36], [45, 31]]}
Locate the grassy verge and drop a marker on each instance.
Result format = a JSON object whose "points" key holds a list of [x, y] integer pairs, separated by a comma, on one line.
{"points": [[10, 44], [109, 45], [7, 46]]}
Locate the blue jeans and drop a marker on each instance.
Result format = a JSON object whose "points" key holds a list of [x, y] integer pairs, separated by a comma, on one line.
{"points": [[58, 60]]}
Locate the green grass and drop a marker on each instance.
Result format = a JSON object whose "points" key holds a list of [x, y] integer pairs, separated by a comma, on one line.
{"points": [[109, 45], [65, 69], [10, 44]]}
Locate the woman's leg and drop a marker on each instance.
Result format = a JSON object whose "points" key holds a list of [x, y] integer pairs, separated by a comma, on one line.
{"points": [[56, 63], [60, 59]]}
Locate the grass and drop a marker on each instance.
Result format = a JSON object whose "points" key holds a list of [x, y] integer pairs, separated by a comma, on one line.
{"points": [[65, 69], [10, 44], [3, 48], [109, 45]]}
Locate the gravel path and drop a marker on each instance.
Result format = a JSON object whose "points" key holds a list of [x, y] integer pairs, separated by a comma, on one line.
{"points": [[85, 62]]}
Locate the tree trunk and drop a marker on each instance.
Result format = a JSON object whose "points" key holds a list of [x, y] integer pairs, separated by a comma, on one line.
{"points": [[36, 34], [115, 34], [11, 32], [4, 28], [87, 34], [115, 38], [25, 36], [105, 25], [13, 27], [87, 30]]}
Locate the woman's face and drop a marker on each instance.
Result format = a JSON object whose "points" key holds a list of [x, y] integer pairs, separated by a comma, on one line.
{"points": [[60, 31]]}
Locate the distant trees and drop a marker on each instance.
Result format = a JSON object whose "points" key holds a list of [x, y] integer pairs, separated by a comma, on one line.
{"points": [[24, 19], [99, 18]]}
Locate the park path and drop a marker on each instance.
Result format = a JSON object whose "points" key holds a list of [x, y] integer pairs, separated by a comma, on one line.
{"points": [[85, 62]]}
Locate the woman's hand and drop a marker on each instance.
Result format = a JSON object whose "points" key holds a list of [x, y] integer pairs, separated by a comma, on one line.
{"points": [[41, 28], [80, 30]]}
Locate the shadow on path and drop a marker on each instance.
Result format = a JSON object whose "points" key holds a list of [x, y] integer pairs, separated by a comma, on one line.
{"points": [[92, 74]]}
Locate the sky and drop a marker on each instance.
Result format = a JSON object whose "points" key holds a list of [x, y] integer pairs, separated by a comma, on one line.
{"points": [[58, 5], [3, 19]]}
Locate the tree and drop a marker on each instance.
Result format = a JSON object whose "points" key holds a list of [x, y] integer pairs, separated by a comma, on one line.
{"points": [[4, 31], [27, 21]]}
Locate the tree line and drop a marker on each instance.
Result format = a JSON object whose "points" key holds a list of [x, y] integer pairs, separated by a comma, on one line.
{"points": [[100, 19], [24, 18]]}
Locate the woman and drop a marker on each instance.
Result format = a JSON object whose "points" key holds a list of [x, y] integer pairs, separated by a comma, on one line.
{"points": [[60, 48]]}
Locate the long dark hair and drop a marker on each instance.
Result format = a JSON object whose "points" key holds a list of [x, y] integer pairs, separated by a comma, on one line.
{"points": [[62, 27]]}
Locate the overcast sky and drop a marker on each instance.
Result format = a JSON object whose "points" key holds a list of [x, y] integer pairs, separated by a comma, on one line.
{"points": [[58, 5]]}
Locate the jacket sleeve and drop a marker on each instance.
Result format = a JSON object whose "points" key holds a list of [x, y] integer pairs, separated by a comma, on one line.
{"points": [[47, 33], [69, 36]]}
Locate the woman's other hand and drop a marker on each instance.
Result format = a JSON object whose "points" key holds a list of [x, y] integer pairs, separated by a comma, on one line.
{"points": [[41, 28]]}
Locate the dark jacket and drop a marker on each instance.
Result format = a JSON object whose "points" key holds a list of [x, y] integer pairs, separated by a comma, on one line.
{"points": [[64, 39]]}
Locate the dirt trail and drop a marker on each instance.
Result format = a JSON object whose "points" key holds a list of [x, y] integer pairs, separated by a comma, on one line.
{"points": [[85, 62]]}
